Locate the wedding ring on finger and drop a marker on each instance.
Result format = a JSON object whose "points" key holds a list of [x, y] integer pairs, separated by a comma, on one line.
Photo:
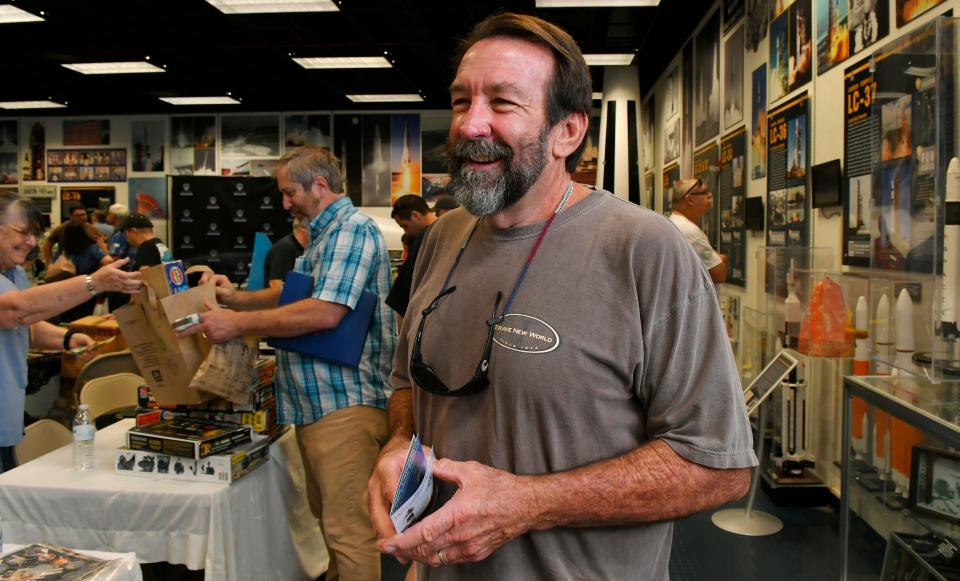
{"points": [[441, 558]]}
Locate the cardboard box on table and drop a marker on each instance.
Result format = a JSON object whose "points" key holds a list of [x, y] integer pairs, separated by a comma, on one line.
{"points": [[226, 467], [167, 363], [101, 328]]}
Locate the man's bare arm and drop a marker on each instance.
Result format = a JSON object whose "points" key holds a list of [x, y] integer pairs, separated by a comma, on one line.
{"points": [[492, 507]]}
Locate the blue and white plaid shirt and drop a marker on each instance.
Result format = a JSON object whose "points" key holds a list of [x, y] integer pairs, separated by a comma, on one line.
{"points": [[346, 255]]}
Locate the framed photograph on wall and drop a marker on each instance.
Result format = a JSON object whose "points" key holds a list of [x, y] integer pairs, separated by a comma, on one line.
{"points": [[935, 483]]}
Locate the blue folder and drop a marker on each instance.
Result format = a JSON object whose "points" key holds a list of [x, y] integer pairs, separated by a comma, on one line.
{"points": [[341, 345]]}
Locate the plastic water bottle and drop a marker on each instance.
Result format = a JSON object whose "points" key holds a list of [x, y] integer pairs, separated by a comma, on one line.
{"points": [[83, 434]]}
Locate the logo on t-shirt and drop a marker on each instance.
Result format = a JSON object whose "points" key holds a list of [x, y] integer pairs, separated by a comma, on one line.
{"points": [[526, 334]]}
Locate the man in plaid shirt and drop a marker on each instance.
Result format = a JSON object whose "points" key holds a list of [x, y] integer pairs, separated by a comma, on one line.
{"points": [[339, 411]]}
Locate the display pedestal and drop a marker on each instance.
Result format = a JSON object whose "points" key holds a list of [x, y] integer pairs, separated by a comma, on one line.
{"points": [[746, 521]]}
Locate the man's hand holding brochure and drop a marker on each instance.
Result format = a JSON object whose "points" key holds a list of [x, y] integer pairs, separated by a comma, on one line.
{"points": [[415, 487]]}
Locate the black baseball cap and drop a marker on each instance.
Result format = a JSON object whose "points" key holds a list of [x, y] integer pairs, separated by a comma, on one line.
{"points": [[136, 221]]}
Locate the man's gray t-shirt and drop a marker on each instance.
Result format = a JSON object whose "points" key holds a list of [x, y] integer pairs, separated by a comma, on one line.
{"points": [[614, 339]]}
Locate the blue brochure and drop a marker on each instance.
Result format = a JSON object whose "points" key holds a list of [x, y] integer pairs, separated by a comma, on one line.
{"points": [[343, 344]]}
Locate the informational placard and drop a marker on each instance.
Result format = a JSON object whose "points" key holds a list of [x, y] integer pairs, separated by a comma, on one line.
{"points": [[788, 159], [859, 123], [706, 166], [758, 139], [215, 220], [87, 165], [671, 174], [904, 146], [731, 202]]}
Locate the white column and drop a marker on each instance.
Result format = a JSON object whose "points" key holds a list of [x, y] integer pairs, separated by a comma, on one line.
{"points": [[620, 84]]}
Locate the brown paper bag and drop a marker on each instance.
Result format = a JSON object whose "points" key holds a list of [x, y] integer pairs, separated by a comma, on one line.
{"points": [[166, 362], [227, 370]]}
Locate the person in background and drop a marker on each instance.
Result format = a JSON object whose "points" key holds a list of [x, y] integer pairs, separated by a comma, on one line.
{"points": [[692, 199], [283, 255], [24, 310], [411, 213], [443, 204], [75, 212], [87, 256], [150, 250], [500, 359], [117, 244], [99, 221], [339, 411]]}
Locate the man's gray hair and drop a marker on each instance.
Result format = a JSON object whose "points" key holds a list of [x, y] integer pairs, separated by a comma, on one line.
{"points": [[119, 210], [304, 164]]}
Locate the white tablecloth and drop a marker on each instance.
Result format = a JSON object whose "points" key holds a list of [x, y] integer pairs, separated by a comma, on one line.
{"points": [[259, 527], [123, 568]]}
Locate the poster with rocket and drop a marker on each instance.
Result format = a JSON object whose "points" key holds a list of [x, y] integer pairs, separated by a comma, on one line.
{"points": [[376, 160], [404, 156]]}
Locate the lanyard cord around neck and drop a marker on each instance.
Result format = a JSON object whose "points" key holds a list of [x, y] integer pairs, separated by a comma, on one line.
{"points": [[526, 266]]}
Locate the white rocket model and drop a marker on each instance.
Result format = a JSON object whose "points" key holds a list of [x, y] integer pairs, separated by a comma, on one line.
{"points": [[793, 310], [904, 331], [882, 334], [951, 254], [861, 325]]}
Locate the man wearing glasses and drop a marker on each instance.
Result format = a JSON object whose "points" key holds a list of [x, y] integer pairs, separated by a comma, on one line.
{"points": [[691, 200], [563, 352]]}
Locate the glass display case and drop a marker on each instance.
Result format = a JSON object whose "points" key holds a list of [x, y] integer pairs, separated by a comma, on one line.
{"points": [[914, 200], [900, 467]]}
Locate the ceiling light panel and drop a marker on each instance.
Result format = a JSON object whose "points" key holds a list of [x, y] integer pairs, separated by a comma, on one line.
{"points": [[599, 60], [595, 3], [11, 14], [343, 62], [114, 68], [267, 6], [399, 98], [31, 105], [200, 100]]}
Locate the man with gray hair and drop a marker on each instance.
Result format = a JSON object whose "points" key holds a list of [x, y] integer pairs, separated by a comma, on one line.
{"points": [[544, 306], [691, 200], [117, 245], [339, 411]]}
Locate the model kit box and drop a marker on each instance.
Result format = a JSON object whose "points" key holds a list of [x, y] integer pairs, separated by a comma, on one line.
{"points": [[188, 437], [222, 468]]}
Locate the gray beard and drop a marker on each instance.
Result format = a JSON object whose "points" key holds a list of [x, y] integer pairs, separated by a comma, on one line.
{"points": [[484, 193]]}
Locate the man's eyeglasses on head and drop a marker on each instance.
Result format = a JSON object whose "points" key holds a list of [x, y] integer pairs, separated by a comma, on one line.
{"points": [[690, 192]]}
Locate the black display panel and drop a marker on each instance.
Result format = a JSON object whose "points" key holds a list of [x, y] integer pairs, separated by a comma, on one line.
{"points": [[826, 182]]}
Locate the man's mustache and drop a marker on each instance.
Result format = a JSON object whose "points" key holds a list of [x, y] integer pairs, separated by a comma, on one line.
{"points": [[463, 149]]}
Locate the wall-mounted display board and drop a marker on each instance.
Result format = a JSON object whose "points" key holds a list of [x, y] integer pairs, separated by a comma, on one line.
{"points": [[97, 197], [706, 166], [846, 27], [733, 79], [648, 189], [907, 10], [707, 89], [86, 132], [250, 135], [671, 174], [731, 199], [758, 139], [686, 129], [788, 159], [215, 219], [647, 123], [193, 145], [859, 123], [9, 174], [791, 47], [904, 147], [732, 12], [34, 166], [671, 140], [301, 129], [147, 142], [87, 165], [756, 23]]}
